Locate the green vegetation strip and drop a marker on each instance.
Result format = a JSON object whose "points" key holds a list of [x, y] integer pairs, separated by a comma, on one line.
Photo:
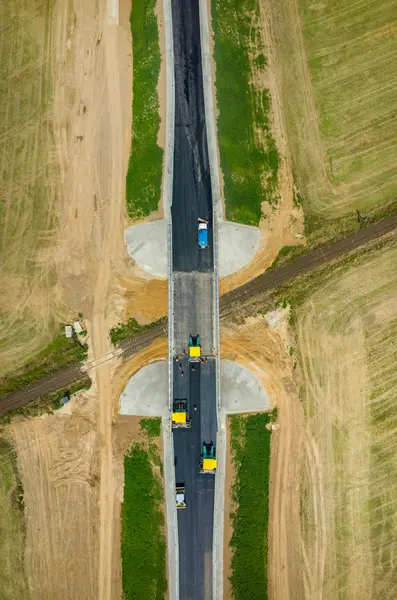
{"points": [[59, 354], [143, 548], [145, 163], [249, 158], [250, 447], [12, 527], [130, 328]]}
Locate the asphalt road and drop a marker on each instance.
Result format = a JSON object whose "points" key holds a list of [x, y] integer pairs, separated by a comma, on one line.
{"points": [[193, 305], [195, 522], [191, 197]]}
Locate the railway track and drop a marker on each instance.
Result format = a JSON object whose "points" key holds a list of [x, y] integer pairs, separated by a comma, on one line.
{"points": [[267, 280]]}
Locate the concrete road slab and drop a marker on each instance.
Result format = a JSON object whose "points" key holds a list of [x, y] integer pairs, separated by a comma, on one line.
{"points": [[237, 246], [147, 246], [193, 310], [146, 393], [240, 389]]}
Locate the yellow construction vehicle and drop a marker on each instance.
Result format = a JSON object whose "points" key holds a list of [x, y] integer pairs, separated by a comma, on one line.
{"points": [[208, 460], [194, 348], [180, 417]]}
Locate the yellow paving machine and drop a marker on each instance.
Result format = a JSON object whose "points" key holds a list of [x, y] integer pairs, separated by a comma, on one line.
{"points": [[180, 417]]}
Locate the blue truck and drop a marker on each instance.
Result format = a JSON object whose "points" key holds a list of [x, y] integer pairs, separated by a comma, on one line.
{"points": [[202, 234]]}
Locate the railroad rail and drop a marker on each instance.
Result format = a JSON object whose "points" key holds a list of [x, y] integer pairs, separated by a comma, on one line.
{"points": [[267, 280]]}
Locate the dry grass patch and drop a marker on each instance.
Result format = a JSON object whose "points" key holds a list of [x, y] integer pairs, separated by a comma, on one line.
{"points": [[347, 332], [28, 182], [339, 86]]}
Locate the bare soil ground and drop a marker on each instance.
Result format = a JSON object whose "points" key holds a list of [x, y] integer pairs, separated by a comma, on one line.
{"points": [[69, 491], [264, 349], [338, 92], [343, 458]]}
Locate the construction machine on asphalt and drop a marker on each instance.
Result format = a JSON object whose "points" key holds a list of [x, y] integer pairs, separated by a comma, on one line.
{"points": [[180, 496], [208, 460], [180, 417], [194, 348]]}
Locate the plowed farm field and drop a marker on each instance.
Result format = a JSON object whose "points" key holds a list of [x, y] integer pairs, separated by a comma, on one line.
{"points": [[347, 347], [337, 66], [28, 182]]}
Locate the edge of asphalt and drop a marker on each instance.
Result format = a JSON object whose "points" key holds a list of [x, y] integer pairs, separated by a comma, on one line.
{"points": [[168, 440], [219, 500]]}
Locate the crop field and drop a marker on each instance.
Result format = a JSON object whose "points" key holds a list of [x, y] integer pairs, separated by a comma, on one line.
{"points": [[143, 547], [250, 449], [339, 85], [146, 159], [28, 180], [248, 155], [13, 582], [347, 349]]}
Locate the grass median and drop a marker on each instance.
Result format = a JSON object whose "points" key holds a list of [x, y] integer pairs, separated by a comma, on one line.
{"points": [[143, 547], [249, 159], [250, 449], [146, 159]]}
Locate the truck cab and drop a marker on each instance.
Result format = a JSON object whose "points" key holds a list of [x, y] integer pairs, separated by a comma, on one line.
{"points": [[202, 234]]}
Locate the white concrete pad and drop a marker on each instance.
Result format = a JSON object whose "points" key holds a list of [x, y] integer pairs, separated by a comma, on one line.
{"points": [[147, 246], [146, 393], [237, 246], [240, 389]]}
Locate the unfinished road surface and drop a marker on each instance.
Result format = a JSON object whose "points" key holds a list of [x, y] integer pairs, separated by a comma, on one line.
{"points": [[193, 289], [302, 265]]}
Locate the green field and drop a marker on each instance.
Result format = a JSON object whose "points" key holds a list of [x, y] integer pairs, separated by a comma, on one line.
{"points": [[144, 173], [13, 583], [249, 159], [250, 450], [341, 118], [143, 546]]}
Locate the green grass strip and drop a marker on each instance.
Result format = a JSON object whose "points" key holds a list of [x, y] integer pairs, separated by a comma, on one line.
{"points": [[145, 164], [143, 548], [151, 426], [249, 166], [131, 327], [250, 446]]}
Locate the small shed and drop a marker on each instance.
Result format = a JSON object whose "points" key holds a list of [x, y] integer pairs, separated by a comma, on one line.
{"points": [[77, 327], [68, 331]]}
